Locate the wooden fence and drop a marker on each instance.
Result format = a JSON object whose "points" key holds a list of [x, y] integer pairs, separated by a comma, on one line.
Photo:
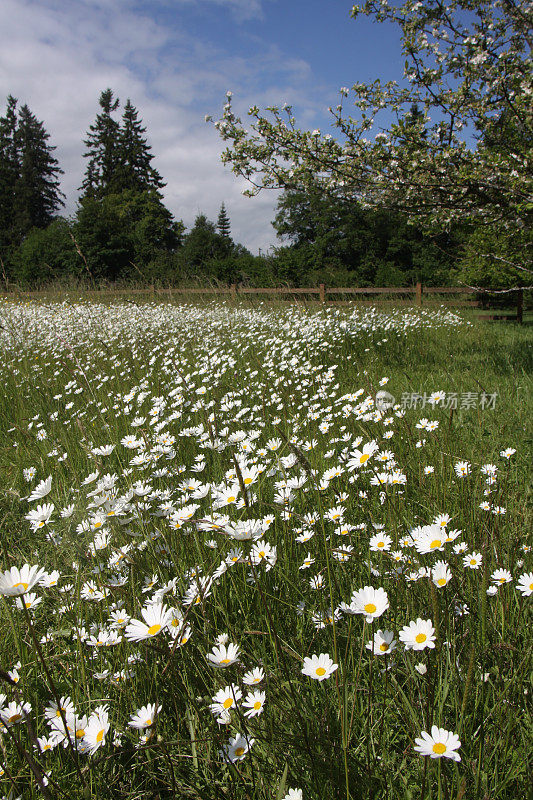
{"points": [[322, 292]]}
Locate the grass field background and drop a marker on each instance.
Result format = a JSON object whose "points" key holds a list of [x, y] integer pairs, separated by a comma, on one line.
{"points": [[225, 465]]}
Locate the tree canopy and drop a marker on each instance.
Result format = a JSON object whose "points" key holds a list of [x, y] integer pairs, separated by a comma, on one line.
{"points": [[29, 176], [465, 157]]}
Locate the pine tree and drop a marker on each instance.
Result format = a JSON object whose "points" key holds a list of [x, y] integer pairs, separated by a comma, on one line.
{"points": [[29, 176], [103, 149], [37, 193], [135, 169], [223, 223], [8, 172]]}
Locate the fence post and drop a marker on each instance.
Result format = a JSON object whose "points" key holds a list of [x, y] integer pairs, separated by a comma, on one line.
{"points": [[520, 306], [419, 294], [322, 292]]}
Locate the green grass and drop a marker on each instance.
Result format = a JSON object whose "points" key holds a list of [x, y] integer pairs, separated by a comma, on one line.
{"points": [[353, 734]]}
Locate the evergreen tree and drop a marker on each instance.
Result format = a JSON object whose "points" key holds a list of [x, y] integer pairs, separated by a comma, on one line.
{"points": [[223, 223], [29, 176], [103, 149], [135, 170], [37, 193], [8, 173]]}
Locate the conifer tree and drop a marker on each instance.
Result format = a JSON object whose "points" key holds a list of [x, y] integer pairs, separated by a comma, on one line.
{"points": [[37, 193], [8, 172], [103, 149], [135, 169], [29, 176], [223, 223]]}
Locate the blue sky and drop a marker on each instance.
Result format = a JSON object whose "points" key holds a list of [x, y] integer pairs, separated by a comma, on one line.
{"points": [[176, 59]]}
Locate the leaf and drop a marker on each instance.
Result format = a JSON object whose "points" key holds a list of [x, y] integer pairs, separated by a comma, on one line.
{"points": [[283, 783]]}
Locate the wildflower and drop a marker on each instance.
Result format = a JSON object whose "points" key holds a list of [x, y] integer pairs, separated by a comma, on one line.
{"points": [[156, 618], [224, 655], [97, 727], [441, 743], [144, 717], [380, 542], [30, 600], [370, 602], [253, 676], [440, 574], [360, 457], [418, 635], [254, 702], [14, 712], [525, 584], [319, 667], [473, 560], [500, 576], [225, 699], [294, 794], [40, 516], [382, 643], [508, 452], [462, 468], [41, 490], [421, 668], [236, 749], [429, 538], [16, 582], [262, 551]]}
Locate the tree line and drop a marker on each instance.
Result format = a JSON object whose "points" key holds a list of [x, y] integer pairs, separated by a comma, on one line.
{"points": [[122, 231]]}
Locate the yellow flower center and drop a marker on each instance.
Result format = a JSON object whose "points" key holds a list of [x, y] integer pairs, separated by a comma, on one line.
{"points": [[80, 733], [99, 736], [441, 581], [257, 705], [239, 751], [420, 637], [364, 457], [231, 499], [24, 586], [247, 481], [320, 671], [148, 722], [472, 560], [228, 702], [226, 661], [153, 629], [439, 748], [435, 543], [384, 647], [15, 718], [370, 608], [261, 554]]}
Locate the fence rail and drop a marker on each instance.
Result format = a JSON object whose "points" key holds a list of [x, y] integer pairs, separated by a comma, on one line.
{"points": [[418, 290]]}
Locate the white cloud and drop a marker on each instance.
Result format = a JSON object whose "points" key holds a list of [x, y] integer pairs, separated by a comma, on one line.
{"points": [[57, 56]]}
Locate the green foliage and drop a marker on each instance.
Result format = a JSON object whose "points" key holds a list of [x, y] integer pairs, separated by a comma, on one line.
{"points": [[459, 148], [46, 255], [120, 157], [122, 230], [223, 223], [29, 176], [497, 259], [340, 243]]}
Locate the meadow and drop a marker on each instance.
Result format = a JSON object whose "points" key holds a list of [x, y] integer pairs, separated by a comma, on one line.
{"points": [[263, 551]]}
